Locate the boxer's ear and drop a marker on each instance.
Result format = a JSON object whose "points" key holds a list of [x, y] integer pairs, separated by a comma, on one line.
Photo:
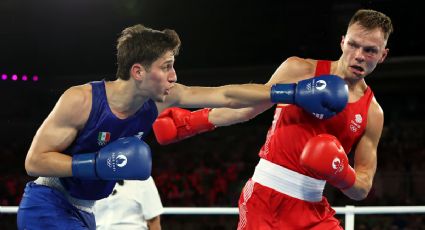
{"points": [[137, 71]]}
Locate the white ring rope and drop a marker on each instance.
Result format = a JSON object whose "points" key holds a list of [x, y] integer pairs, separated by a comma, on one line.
{"points": [[349, 211]]}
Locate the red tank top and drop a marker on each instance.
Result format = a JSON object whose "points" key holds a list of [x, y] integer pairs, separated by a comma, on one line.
{"points": [[292, 127]]}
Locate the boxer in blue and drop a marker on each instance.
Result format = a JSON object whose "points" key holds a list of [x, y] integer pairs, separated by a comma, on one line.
{"points": [[94, 134]]}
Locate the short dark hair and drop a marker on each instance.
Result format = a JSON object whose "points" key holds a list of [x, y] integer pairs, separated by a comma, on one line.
{"points": [[140, 44], [371, 19]]}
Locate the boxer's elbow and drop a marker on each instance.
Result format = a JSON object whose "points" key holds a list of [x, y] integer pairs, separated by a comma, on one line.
{"points": [[359, 193], [32, 162], [29, 167]]}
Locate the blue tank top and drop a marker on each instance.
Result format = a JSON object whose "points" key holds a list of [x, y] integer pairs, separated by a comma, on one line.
{"points": [[103, 127]]}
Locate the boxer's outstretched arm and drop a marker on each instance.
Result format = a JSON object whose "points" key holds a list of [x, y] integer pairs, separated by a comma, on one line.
{"points": [[229, 96], [365, 159], [291, 70], [323, 102], [58, 131]]}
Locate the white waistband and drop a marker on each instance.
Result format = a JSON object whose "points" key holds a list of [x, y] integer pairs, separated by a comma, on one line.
{"points": [[288, 182], [53, 182]]}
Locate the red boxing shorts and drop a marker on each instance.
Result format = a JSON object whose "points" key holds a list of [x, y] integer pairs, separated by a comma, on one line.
{"points": [[267, 207]]}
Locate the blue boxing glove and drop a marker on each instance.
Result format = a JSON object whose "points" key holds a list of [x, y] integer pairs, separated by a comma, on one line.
{"points": [[323, 96], [125, 158]]}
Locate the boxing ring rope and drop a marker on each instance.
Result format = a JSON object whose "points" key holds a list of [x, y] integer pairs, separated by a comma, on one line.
{"points": [[349, 211]]}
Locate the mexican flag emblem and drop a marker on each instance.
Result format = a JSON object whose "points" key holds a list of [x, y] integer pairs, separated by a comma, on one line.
{"points": [[103, 138]]}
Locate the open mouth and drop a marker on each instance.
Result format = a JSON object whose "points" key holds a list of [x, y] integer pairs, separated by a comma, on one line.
{"points": [[357, 69]]}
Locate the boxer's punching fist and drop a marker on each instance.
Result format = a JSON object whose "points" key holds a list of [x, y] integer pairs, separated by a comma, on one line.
{"points": [[125, 158], [175, 124], [324, 156], [323, 96]]}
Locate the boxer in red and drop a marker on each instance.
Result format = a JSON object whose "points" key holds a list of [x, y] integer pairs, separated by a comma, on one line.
{"points": [[302, 152]]}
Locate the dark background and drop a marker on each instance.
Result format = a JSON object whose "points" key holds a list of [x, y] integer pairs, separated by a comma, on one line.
{"points": [[73, 42], [54, 38]]}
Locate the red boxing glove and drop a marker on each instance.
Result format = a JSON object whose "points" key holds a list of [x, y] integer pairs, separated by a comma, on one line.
{"points": [[324, 155], [175, 124]]}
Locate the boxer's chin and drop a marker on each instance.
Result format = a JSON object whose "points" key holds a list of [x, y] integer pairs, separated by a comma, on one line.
{"points": [[160, 98]]}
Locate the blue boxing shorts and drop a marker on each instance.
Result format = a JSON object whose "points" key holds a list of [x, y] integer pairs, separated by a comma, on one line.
{"points": [[46, 208]]}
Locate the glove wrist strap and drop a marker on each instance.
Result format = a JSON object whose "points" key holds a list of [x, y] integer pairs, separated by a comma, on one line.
{"points": [[199, 121], [282, 93], [83, 166]]}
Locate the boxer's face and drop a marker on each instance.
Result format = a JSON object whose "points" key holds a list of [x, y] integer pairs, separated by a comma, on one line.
{"points": [[362, 50], [161, 77]]}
